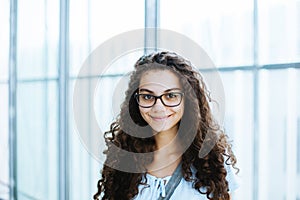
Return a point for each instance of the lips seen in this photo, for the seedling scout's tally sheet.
(160, 118)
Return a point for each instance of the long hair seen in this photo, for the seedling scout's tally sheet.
(131, 133)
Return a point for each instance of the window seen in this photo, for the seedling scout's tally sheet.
(255, 45)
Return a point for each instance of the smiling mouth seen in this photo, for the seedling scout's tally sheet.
(161, 118)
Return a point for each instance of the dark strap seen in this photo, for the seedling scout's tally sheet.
(172, 183)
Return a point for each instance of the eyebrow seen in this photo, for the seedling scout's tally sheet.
(168, 90)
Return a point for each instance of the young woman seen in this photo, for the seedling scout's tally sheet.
(154, 147)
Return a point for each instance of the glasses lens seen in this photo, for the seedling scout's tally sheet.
(169, 99)
(145, 100)
(172, 98)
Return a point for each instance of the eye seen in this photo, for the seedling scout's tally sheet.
(171, 95)
(146, 96)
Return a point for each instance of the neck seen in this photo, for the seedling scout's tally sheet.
(164, 138)
(168, 155)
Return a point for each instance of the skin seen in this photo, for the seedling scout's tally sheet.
(163, 120)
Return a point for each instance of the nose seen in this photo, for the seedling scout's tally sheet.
(158, 106)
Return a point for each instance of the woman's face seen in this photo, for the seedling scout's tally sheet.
(161, 117)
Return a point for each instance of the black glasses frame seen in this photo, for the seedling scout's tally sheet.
(136, 96)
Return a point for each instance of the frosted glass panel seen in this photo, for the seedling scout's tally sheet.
(279, 31)
(38, 31)
(4, 145)
(108, 96)
(225, 31)
(81, 158)
(37, 140)
(279, 133)
(222, 28)
(4, 39)
(238, 87)
(93, 22)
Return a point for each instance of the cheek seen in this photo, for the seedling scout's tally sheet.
(179, 111)
(144, 112)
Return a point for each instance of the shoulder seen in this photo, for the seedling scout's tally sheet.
(151, 189)
(186, 190)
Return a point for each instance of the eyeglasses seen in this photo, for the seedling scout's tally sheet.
(170, 99)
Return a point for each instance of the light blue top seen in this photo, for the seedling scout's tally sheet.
(156, 186)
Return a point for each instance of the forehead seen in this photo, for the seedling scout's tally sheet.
(159, 80)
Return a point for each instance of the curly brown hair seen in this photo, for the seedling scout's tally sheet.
(131, 133)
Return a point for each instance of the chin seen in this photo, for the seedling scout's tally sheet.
(159, 129)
